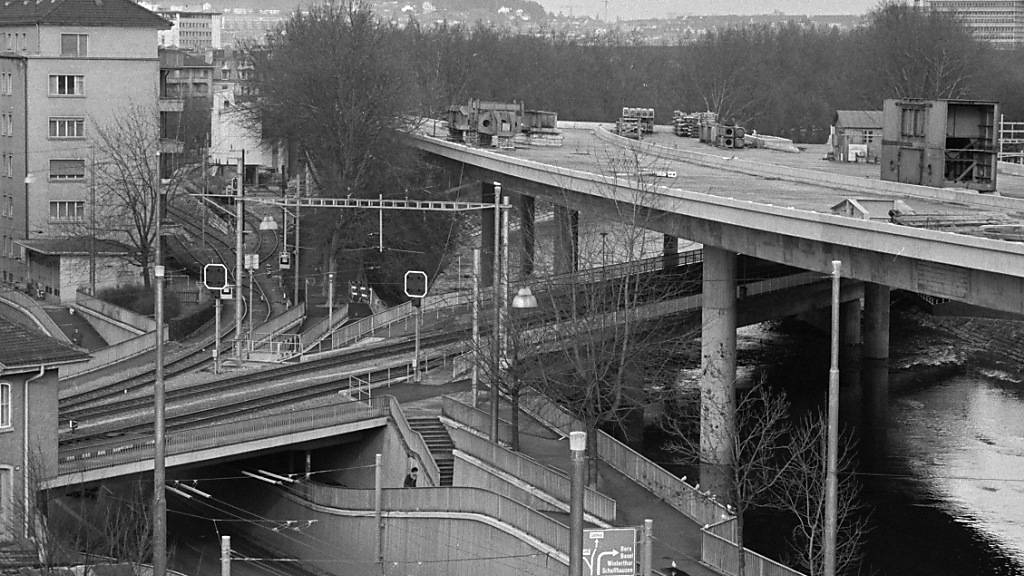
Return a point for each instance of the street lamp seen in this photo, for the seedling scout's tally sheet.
(524, 300)
(577, 447)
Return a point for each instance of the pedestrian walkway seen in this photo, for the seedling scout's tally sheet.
(677, 539)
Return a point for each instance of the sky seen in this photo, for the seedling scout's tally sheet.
(631, 9)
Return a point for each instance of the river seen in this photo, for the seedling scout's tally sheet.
(944, 474)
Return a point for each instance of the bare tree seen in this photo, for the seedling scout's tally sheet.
(335, 83)
(127, 184)
(800, 493)
(759, 453)
(609, 343)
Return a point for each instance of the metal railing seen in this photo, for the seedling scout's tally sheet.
(256, 427)
(446, 304)
(718, 536)
(550, 481)
(449, 501)
(417, 445)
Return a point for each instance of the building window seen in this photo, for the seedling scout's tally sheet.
(74, 45)
(67, 169)
(67, 85)
(67, 211)
(67, 127)
(9, 165)
(7, 83)
(8, 206)
(5, 405)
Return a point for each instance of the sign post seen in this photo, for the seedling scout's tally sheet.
(416, 288)
(215, 278)
(610, 552)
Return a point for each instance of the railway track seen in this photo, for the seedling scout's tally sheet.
(246, 395)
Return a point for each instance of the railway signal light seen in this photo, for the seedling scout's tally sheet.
(415, 284)
(215, 276)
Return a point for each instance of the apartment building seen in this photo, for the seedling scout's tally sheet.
(998, 22)
(29, 364)
(198, 31)
(66, 68)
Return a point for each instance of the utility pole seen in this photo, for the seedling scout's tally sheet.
(159, 443)
(239, 248)
(476, 324)
(496, 332)
(831, 482)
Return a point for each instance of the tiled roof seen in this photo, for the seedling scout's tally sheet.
(21, 347)
(115, 13)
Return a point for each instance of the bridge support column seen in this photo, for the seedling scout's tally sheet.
(670, 252)
(527, 217)
(718, 370)
(567, 240)
(875, 369)
(487, 235)
(849, 323)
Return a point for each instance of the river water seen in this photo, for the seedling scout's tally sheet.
(943, 472)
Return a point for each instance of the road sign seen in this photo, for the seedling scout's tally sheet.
(215, 276)
(251, 261)
(415, 284)
(610, 552)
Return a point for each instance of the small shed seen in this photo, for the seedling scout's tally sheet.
(857, 135)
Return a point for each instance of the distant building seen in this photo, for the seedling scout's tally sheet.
(856, 135)
(29, 363)
(230, 132)
(191, 30)
(998, 22)
(66, 68)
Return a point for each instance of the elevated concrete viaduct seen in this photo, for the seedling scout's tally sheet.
(972, 269)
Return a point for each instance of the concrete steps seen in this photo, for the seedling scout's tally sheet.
(14, 557)
(439, 442)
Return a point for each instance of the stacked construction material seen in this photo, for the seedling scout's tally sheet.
(643, 116)
(628, 127)
(685, 125)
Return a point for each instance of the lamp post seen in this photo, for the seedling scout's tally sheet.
(831, 481)
(577, 447)
(524, 300)
(239, 247)
(500, 304)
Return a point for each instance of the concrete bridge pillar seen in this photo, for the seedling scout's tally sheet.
(875, 371)
(849, 323)
(527, 228)
(670, 252)
(718, 370)
(567, 240)
(487, 235)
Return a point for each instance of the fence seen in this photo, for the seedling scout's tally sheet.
(718, 537)
(552, 482)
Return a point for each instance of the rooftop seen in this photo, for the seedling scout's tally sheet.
(110, 13)
(74, 247)
(22, 347)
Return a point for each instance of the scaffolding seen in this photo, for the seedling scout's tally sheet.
(1011, 141)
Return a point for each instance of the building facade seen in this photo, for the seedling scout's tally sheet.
(67, 68)
(29, 363)
(998, 22)
(197, 31)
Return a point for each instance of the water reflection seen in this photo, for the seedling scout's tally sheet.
(964, 438)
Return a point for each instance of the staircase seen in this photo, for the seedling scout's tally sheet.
(439, 443)
(13, 558)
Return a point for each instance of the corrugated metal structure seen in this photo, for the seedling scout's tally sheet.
(940, 143)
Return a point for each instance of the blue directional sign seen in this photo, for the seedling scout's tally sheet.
(610, 552)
